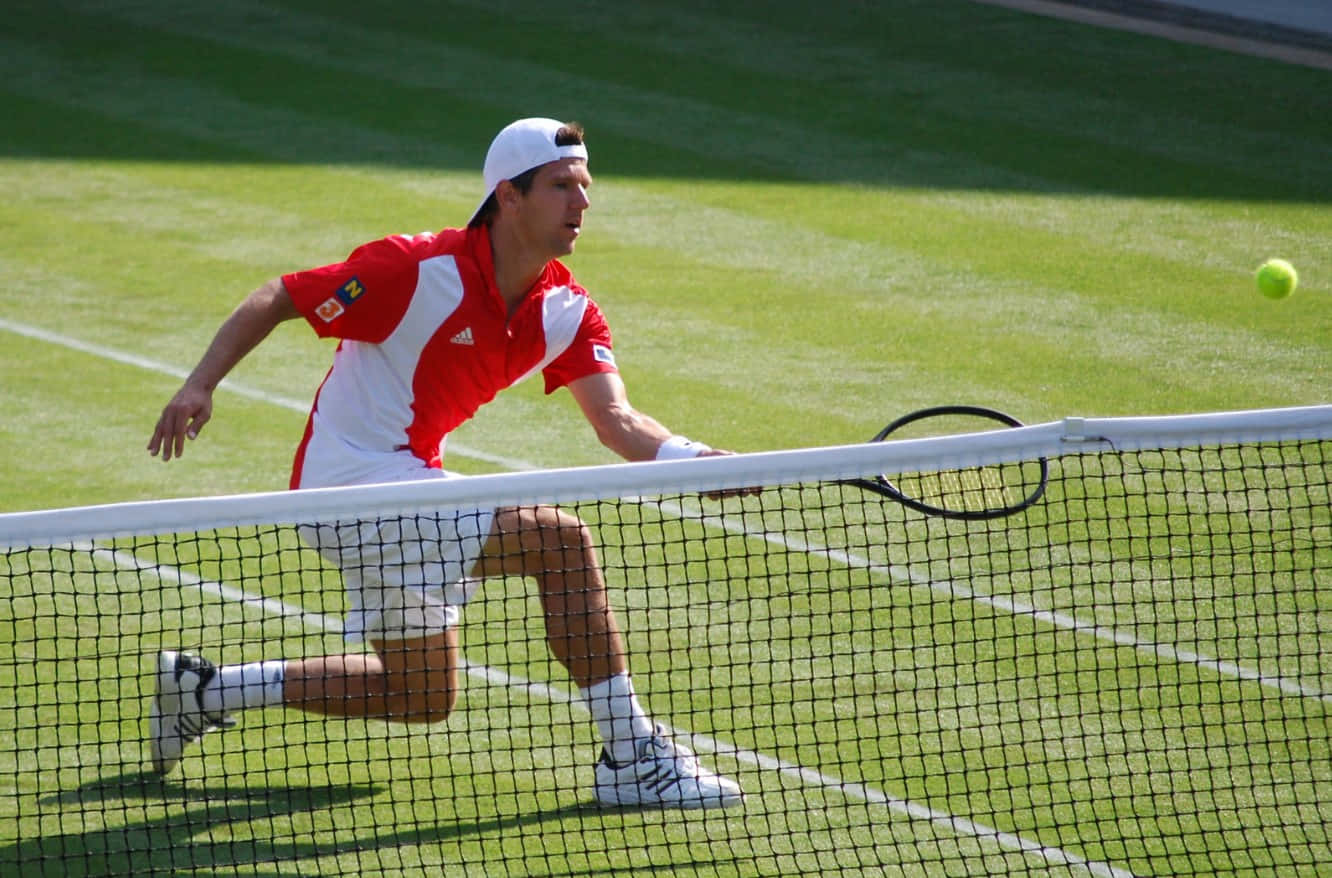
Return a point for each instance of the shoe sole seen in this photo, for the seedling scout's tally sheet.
(610, 797)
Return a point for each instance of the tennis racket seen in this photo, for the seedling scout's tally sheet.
(970, 494)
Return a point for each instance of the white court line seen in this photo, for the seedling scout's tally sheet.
(961, 826)
(286, 402)
(898, 574)
(176, 576)
(894, 573)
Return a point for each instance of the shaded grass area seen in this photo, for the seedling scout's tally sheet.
(919, 91)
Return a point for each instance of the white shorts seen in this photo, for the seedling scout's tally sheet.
(406, 577)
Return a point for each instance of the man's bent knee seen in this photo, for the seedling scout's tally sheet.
(535, 540)
(431, 706)
(420, 677)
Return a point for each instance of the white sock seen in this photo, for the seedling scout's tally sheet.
(235, 687)
(619, 717)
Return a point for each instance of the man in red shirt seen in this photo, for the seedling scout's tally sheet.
(430, 328)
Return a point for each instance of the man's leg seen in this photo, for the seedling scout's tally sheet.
(640, 765)
(555, 548)
(416, 679)
(413, 674)
(413, 680)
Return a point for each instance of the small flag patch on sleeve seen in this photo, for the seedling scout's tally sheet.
(329, 310)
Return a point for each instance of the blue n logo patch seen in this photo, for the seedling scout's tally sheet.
(352, 290)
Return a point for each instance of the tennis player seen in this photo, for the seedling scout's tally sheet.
(431, 327)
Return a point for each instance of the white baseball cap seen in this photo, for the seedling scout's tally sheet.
(520, 147)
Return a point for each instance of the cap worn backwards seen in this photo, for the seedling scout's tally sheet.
(522, 146)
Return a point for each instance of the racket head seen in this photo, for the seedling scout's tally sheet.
(969, 494)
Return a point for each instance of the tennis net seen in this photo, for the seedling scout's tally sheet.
(1131, 677)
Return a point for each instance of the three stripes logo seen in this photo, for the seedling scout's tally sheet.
(464, 337)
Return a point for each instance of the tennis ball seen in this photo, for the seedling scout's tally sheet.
(1277, 279)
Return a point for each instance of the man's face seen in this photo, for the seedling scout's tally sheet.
(550, 216)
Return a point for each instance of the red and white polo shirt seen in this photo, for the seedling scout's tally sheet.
(425, 342)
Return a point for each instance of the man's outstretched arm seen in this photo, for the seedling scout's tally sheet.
(192, 406)
(623, 429)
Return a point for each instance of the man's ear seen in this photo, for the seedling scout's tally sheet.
(507, 194)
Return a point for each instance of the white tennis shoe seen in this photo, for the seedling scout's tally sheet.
(177, 717)
(665, 775)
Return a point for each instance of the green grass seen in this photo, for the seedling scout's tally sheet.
(803, 225)
(1107, 742)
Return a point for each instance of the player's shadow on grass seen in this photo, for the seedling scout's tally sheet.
(470, 831)
(150, 787)
(218, 826)
(197, 830)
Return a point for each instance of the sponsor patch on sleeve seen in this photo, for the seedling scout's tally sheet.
(602, 354)
(351, 291)
(330, 310)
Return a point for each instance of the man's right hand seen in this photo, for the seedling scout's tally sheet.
(192, 405)
(182, 418)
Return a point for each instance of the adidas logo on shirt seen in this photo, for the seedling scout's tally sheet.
(464, 337)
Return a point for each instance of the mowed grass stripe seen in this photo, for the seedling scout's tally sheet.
(741, 242)
(1158, 323)
(414, 64)
(897, 71)
(253, 136)
(952, 115)
(1211, 235)
(444, 76)
(892, 268)
(201, 230)
(891, 574)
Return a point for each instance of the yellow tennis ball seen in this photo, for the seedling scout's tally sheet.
(1277, 279)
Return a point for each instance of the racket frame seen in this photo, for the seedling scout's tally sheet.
(884, 487)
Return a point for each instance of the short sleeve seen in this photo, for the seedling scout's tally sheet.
(590, 353)
(362, 298)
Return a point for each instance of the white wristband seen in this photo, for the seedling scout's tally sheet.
(680, 448)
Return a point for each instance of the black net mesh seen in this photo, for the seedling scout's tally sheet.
(1131, 677)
